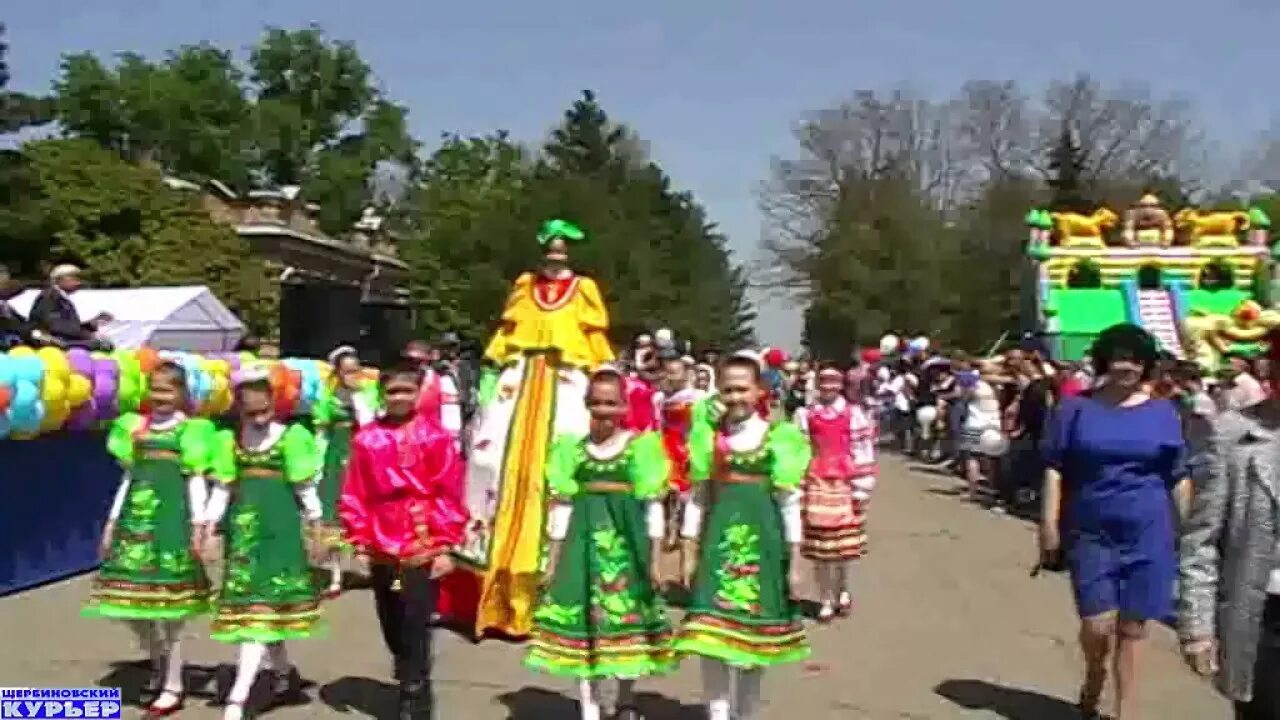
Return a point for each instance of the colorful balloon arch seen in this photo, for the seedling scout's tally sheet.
(48, 389)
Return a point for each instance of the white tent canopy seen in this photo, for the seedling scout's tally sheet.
(186, 318)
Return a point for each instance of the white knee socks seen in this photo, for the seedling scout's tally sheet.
(731, 693)
(335, 571)
(844, 581)
(717, 684)
(170, 634)
(252, 655)
(162, 641)
(589, 699)
(826, 582)
(747, 694)
(592, 701)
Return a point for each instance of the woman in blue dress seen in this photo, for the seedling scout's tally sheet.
(1115, 458)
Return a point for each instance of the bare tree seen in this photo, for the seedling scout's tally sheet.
(867, 138)
(998, 129)
(898, 209)
(1123, 133)
(1260, 165)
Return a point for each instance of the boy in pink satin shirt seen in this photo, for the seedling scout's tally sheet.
(402, 508)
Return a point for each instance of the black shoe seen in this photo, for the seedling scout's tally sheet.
(1089, 711)
(286, 689)
(628, 712)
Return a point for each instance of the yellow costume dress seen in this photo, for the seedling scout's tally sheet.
(553, 330)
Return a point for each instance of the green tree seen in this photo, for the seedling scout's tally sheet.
(321, 123)
(17, 186)
(463, 233)
(127, 229)
(587, 142)
(187, 113)
(994, 272)
(306, 113)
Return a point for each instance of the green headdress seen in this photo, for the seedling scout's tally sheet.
(562, 229)
(1039, 218)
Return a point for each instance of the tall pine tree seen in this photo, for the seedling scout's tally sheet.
(657, 256)
(1068, 184)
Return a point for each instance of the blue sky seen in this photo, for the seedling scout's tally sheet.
(713, 85)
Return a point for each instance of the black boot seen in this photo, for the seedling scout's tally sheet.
(415, 702)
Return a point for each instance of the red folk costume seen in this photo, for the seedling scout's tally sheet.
(403, 493)
(640, 410)
(438, 402)
(675, 418)
(430, 399)
(841, 476)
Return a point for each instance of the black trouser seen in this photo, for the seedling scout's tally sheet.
(1021, 468)
(1266, 669)
(405, 617)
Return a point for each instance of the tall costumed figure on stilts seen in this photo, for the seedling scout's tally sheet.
(553, 331)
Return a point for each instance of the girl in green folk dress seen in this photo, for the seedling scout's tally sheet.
(742, 530)
(601, 615)
(265, 471)
(150, 574)
(337, 416)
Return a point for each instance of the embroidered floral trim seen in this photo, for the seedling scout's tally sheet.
(611, 603)
(738, 577)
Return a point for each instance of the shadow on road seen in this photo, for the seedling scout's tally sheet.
(373, 698)
(530, 703)
(1007, 702)
(132, 677)
(937, 470)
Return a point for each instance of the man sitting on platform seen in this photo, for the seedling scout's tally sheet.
(55, 314)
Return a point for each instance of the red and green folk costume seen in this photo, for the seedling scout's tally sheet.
(267, 591)
(600, 616)
(151, 571)
(741, 612)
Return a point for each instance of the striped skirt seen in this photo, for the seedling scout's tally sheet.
(833, 521)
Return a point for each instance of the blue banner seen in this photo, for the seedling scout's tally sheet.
(59, 703)
(55, 491)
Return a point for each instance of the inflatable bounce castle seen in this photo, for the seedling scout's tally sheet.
(1199, 281)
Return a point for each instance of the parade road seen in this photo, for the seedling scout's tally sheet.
(947, 624)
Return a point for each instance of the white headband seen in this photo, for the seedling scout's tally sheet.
(339, 352)
(62, 271)
(253, 374)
